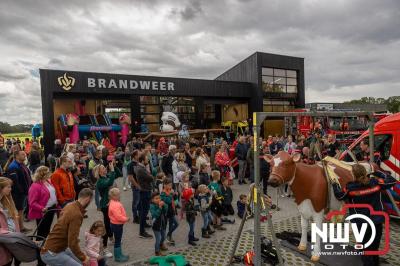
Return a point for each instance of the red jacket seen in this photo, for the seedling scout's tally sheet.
(222, 159)
(63, 182)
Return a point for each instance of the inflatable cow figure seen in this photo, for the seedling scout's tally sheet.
(169, 122)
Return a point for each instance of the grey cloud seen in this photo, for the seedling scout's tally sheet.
(348, 46)
(192, 10)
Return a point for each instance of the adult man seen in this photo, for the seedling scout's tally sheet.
(167, 162)
(4, 155)
(134, 185)
(132, 145)
(275, 146)
(241, 155)
(147, 150)
(21, 177)
(315, 145)
(95, 160)
(63, 181)
(62, 244)
(364, 154)
(188, 155)
(332, 146)
(250, 160)
(35, 157)
(145, 180)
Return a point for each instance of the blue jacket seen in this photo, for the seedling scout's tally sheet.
(357, 193)
(241, 151)
(21, 177)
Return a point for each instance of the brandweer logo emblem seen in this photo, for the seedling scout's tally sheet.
(66, 82)
(340, 232)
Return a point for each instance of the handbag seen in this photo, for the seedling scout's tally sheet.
(231, 173)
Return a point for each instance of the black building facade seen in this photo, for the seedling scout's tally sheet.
(262, 82)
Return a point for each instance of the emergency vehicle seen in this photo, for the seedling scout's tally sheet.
(346, 129)
(386, 149)
(386, 144)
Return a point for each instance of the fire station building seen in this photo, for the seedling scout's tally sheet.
(261, 82)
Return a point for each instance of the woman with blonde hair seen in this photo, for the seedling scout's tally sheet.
(42, 198)
(8, 217)
(105, 181)
(202, 158)
(179, 165)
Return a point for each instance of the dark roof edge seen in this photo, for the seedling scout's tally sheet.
(253, 54)
(144, 76)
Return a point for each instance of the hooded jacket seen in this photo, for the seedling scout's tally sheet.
(92, 245)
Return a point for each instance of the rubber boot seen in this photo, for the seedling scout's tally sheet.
(118, 256)
(204, 233)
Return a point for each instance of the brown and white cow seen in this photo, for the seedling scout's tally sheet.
(309, 186)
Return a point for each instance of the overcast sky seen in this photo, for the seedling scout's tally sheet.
(351, 48)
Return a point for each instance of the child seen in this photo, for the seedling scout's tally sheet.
(158, 210)
(118, 218)
(204, 202)
(159, 182)
(94, 245)
(241, 205)
(187, 195)
(183, 184)
(204, 177)
(167, 196)
(216, 203)
(227, 208)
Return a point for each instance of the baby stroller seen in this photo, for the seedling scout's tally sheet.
(23, 247)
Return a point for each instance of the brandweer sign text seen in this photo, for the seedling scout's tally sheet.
(130, 84)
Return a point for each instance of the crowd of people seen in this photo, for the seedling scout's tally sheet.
(170, 179)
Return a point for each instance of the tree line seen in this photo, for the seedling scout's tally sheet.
(392, 103)
(6, 128)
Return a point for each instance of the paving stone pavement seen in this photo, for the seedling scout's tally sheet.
(215, 250)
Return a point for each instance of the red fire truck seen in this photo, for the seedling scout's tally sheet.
(346, 129)
(387, 147)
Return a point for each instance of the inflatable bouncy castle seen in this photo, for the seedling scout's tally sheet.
(98, 127)
(125, 122)
(36, 131)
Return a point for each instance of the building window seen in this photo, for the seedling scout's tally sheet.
(277, 106)
(152, 107)
(279, 80)
(209, 111)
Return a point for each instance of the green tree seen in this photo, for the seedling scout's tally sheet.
(392, 103)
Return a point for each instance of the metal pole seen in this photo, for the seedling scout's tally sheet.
(256, 193)
(371, 140)
(239, 232)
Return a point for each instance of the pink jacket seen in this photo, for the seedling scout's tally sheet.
(38, 196)
(5, 256)
(92, 245)
(116, 212)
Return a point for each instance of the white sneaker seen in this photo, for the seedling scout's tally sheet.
(124, 188)
(107, 253)
(129, 186)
